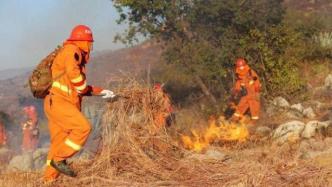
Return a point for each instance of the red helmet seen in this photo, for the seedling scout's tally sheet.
(241, 62)
(81, 33)
(157, 86)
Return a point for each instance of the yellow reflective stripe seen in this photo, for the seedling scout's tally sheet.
(63, 88)
(254, 117)
(251, 82)
(72, 145)
(237, 114)
(80, 88)
(77, 79)
(48, 162)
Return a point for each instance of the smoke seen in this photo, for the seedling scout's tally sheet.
(30, 29)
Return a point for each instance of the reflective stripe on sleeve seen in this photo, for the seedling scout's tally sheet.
(72, 145)
(77, 79)
(48, 162)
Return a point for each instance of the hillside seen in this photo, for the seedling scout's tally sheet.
(310, 5)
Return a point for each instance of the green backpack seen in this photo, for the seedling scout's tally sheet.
(41, 79)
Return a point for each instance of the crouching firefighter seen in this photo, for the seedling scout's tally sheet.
(69, 128)
(248, 87)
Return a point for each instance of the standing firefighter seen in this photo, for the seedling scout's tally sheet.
(247, 87)
(30, 129)
(3, 135)
(166, 117)
(69, 129)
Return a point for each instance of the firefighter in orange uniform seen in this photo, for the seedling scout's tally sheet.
(3, 135)
(30, 129)
(166, 117)
(248, 87)
(69, 128)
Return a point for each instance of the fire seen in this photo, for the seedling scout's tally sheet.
(218, 130)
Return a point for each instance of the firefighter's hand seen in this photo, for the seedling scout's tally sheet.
(107, 94)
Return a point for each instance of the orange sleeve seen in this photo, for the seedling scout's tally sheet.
(74, 70)
(257, 83)
(237, 87)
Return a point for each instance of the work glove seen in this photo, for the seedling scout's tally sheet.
(107, 94)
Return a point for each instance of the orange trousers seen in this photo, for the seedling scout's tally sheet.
(253, 104)
(69, 130)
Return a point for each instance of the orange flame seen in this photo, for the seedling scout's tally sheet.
(218, 130)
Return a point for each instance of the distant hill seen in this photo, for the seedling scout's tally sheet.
(10, 73)
(322, 6)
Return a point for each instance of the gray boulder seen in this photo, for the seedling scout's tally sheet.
(210, 154)
(298, 107)
(290, 131)
(280, 102)
(310, 129)
(22, 162)
(263, 131)
(309, 113)
(328, 82)
(39, 158)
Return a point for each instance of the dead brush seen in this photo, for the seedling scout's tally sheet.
(133, 145)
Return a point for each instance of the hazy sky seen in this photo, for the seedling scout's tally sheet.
(30, 29)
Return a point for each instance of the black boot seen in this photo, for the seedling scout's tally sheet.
(62, 167)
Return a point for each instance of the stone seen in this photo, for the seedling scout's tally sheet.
(5, 156)
(263, 131)
(280, 102)
(290, 131)
(328, 82)
(310, 129)
(298, 107)
(271, 110)
(328, 131)
(39, 158)
(309, 113)
(22, 162)
(210, 154)
(294, 114)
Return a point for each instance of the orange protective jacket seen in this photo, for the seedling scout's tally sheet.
(69, 72)
(3, 136)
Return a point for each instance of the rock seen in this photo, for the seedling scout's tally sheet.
(290, 131)
(210, 154)
(263, 131)
(328, 131)
(22, 162)
(328, 82)
(298, 107)
(281, 102)
(271, 110)
(310, 129)
(309, 113)
(39, 158)
(294, 114)
(5, 155)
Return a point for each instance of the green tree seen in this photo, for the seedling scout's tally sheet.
(204, 37)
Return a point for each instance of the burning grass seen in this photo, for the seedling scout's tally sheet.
(218, 130)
